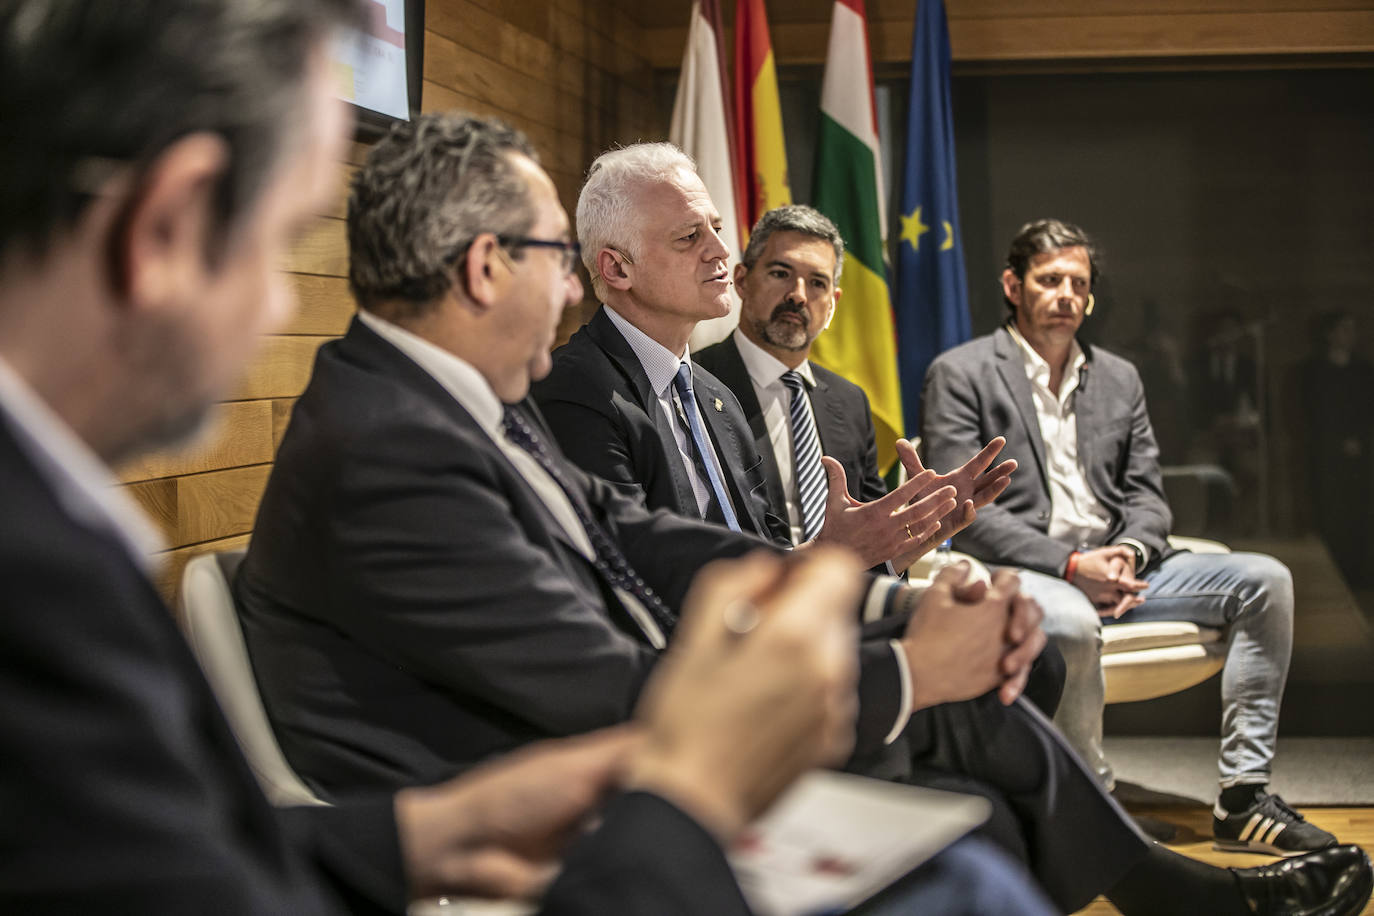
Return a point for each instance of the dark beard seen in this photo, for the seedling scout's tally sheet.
(785, 335)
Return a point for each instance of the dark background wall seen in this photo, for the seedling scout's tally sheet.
(1248, 191)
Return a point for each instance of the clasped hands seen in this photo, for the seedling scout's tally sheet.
(917, 516)
(1107, 576)
(968, 636)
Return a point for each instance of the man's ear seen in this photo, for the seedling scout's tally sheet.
(160, 241)
(740, 273)
(612, 269)
(1011, 285)
(834, 301)
(487, 270)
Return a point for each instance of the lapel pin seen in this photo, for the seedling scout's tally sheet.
(720, 405)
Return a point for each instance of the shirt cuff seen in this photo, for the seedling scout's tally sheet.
(1144, 551)
(904, 709)
(881, 596)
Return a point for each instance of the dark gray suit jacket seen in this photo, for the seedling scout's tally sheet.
(979, 390)
(843, 420)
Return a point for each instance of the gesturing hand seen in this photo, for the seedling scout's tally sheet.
(888, 527)
(975, 486)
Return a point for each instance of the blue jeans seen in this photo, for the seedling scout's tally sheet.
(1248, 596)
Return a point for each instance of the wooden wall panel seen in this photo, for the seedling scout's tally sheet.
(240, 434)
(281, 369)
(324, 305)
(1060, 30)
(322, 249)
(573, 75)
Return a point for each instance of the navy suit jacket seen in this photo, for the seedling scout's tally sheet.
(843, 421)
(598, 402)
(979, 390)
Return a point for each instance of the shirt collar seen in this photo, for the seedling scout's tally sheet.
(764, 368)
(1037, 367)
(660, 364)
(81, 482)
(458, 376)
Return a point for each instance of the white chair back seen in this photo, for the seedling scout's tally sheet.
(216, 638)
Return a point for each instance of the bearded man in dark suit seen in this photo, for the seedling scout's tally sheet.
(798, 411)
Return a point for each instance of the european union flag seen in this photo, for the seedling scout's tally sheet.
(931, 303)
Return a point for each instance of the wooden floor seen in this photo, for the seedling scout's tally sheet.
(1350, 825)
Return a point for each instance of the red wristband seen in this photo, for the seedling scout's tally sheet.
(1071, 567)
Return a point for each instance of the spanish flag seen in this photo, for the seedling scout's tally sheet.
(762, 164)
(861, 343)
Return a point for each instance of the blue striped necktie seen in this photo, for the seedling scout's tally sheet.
(806, 457)
(701, 445)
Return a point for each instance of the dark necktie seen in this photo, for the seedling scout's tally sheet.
(812, 488)
(610, 561)
(701, 445)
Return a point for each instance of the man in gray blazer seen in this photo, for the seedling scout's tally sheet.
(1087, 514)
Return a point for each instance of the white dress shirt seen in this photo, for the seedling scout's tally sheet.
(471, 390)
(81, 481)
(1077, 516)
(765, 374)
(661, 366)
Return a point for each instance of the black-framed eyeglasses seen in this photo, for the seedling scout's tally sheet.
(571, 251)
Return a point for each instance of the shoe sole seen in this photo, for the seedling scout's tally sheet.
(1265, 848)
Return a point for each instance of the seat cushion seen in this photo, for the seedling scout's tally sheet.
(1154, 634)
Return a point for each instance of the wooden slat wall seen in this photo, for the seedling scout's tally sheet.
(571, 73)
(1057, 30)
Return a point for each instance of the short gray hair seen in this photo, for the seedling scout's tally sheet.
(606, 212)
(793, 218)
(426, 192)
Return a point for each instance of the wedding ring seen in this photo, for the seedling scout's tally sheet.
(908, 531)
(740, 617)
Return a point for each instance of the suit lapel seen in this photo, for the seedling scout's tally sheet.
(830, 419)
(604, 334)
(1013, 373)
(736, 377)
(1086, 411)
(729, 449)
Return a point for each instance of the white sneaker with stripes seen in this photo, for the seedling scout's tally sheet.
(1269, 826)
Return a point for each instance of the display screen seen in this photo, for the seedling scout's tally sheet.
(371, 69)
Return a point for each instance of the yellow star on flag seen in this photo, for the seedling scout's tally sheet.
(913, 229)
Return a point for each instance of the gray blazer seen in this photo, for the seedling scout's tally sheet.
(979, 390)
